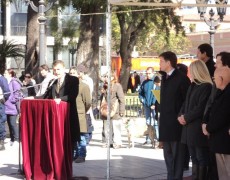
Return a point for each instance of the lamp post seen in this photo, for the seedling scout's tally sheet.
(211, 22)
(41, 9)
(72, 50)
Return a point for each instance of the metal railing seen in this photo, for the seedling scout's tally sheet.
(133, 106)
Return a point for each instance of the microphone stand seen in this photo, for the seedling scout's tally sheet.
(20, 170)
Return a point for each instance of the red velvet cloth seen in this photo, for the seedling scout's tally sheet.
(46, 141)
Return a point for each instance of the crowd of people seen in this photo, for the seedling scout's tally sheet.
(189, 120)
(193, 117)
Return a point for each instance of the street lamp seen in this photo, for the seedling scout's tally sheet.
(41, 9)
(211, 22)
(72, 50)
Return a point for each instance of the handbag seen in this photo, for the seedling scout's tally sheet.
(104, 108)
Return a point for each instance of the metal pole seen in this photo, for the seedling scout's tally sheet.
(41, 9)
(42, 22)
(73, 57)
(108, 63)
(212, 23)
(212, 33)
(212, 29)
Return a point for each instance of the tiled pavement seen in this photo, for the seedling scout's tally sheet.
(140, 162)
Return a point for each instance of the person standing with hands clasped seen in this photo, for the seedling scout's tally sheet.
(174, 86)
(191, 115)
(217, 127)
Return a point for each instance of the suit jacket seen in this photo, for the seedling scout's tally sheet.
(68, 92)
(219, 122)
(193, 110)
(173, 94)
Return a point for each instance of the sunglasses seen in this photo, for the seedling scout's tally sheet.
(28, 76)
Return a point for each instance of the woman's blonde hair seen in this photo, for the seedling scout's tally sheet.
(199, 72)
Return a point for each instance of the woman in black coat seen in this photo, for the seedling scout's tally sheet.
(191, 117)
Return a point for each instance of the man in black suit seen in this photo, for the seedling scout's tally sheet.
(173, 93)
(65, 88)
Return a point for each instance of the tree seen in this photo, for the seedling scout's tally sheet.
(9, 49)
(67, 27)
(134, 23)
(177, 43)
(32, 40)
(88, 44)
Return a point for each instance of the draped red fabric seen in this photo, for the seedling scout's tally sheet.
(46, 141)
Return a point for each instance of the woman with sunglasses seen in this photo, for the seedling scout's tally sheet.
(30, 91)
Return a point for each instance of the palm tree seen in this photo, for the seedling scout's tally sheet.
(9, 49)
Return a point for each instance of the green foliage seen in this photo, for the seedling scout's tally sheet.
(116, 34)
(90, 5)
(9, 49)
(150, 30)
(177, 43)
(70, 27)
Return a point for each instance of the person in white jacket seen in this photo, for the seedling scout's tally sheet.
(45, 72)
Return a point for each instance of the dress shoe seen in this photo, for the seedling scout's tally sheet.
(80, 160)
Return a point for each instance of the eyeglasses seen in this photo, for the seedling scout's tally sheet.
(28, 76)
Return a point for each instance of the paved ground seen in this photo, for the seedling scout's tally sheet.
(140, 162)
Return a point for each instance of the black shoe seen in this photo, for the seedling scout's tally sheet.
(80, 160)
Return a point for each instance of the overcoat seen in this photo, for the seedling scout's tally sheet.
(83, 105)
(219, 123)
(68, 92)
(193, 110)
(172, 96)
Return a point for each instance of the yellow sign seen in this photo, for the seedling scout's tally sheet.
(156, 93)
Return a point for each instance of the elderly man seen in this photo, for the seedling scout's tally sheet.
(218, 124)
(222, 60)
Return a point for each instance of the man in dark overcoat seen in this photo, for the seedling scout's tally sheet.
(173, 93)
(65, 88)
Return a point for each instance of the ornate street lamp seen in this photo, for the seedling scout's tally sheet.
(41, 9)
(211, 22)
(72, 46)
